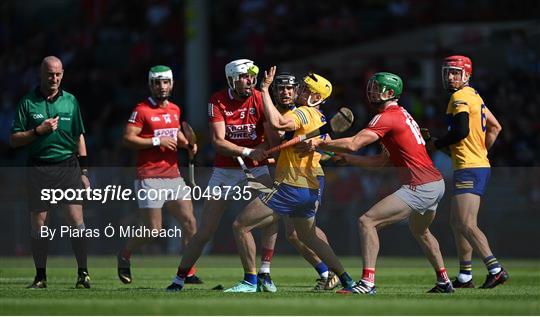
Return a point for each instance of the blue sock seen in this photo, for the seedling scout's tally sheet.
(321, 268)
(251, 278)
(492, 264)
(465, 267)
(345, 280)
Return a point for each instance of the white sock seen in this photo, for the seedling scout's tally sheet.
(324, 275)
(265, 267)
(464, 278)
(370, 284)
(495, 270)
(178, 281)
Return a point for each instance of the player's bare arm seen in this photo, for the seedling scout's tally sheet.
(367, 162)
(272, 137)
(133, 141)
(493, 128)
(350, 144)
(276, 120)
(26, 137)
(228, 148)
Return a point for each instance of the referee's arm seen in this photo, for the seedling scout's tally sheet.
(82, 146)
(23, 138)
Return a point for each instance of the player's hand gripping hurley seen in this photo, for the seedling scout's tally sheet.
(251, 180)
(340, 122)
(192, 139)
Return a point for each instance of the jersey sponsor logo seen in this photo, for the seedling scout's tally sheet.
(252, 111)
(167, 118)
(242, 131)
(155, 119)
(65, 118)
(38, 116)
(229, 113)
(171, 132)
(133, 117)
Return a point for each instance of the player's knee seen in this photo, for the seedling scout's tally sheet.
(419, 233)
(292, 237)
(154, 225)
(469, 230)
(364, 222)
(238, 227)
(189, 226)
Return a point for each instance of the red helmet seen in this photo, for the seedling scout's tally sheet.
(456, 62)
(459, 61)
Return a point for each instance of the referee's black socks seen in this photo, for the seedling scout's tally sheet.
(40, 248)
(80, 249)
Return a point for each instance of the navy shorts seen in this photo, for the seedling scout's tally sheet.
(295, 201)
(471, 180)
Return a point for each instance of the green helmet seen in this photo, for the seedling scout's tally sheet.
(382, 82)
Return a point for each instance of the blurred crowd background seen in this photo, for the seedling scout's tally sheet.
(107, 47)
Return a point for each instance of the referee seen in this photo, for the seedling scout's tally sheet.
(49, 122)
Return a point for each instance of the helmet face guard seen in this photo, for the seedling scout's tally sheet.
(452, 65)
(379, 86)
(241, 67)
(314, 84)
(284, 82)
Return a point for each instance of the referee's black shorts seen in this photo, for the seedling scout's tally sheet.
(46, 175)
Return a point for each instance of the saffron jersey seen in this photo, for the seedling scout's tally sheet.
(291, 168)
(156, 121)
(471, 151)
(400, 135)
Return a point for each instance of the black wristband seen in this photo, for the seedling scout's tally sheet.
(83, 162)
(35, 131)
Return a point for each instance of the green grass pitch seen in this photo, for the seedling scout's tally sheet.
(401, 282)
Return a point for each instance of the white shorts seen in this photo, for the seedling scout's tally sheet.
(154, 192)
(422, 198)
(234, 178)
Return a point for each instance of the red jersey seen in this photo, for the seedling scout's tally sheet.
(401, 136)
(243, 122)
(155, 121)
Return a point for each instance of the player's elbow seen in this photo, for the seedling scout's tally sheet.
(495, 129)
(461, 134)
(128, 142)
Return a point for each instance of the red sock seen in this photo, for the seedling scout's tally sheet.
(192, 271)
(126, 254)
(267, 255)
(442, 276)
(182, 273)
(368, 275)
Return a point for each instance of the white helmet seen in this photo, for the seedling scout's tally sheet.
(160, 72)
(234, 69)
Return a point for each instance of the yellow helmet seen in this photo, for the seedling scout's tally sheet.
(318, 84)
